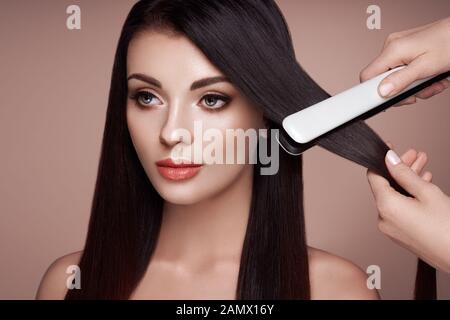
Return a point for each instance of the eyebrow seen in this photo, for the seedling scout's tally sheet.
(208, 81)
(195, 85)
(145, 78)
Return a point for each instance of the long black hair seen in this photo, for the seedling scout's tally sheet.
(249, 41)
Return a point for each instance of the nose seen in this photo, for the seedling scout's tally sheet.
(175, 128)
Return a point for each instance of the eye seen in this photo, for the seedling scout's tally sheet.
(214, 101)
(145, 98)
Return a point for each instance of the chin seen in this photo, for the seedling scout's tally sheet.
(181, 193)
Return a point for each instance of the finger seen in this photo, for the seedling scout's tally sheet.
(404, 175)
(381, 188)
(419, 163)
(409, 157)
(378, 184)
(433, 90)
(407, 101)
(426, 93)
(427, 176)
(399, 80)
(387, 199)
(393, 55)
(430, 91)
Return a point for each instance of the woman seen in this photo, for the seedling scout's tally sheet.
(206, 231)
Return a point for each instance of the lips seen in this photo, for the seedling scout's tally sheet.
(177, 171)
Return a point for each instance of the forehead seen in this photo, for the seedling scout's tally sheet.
(168, 56)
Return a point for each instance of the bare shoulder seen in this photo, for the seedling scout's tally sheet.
(333, 277)
(53, 283)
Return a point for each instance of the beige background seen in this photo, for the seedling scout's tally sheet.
(54, 87)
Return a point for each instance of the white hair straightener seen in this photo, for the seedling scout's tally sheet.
(303, 129)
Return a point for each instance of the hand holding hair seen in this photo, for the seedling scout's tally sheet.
(426, 52)
(420, 223)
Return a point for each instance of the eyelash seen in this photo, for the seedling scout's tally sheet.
(138, 95)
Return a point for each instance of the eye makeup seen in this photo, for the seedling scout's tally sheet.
(209, 101)
(143, 98)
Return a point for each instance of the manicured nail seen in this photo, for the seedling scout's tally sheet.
(392, 157)
(386, 88)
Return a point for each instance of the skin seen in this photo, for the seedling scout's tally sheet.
(421, 224)
(204, 218)
(425, 50)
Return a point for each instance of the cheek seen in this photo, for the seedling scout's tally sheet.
(144, 132)
(237, 127)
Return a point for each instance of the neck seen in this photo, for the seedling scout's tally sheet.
(211, 229)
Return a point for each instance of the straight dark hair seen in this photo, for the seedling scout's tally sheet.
(249, 41)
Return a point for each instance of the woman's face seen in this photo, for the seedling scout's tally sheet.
(168, 90)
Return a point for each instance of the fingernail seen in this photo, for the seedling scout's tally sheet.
(386, 88)
(392, 157)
